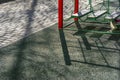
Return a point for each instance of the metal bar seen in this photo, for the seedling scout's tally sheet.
(61, 33)
(76, 8)
(60, 14)
(108, 9)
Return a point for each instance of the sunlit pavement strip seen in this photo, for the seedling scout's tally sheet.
(18, 17)
(21, 16)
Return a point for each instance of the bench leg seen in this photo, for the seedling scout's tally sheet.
(113, 25)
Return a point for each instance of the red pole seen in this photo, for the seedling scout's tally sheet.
(76, 8)
(60, 14)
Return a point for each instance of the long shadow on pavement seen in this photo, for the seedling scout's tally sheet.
(15, 71)
(102, 50)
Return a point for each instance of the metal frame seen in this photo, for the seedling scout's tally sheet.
(60, 12)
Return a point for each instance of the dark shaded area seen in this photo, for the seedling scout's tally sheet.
(79, 32)
(93, 64)
(99, 49)
(64, 48)
(84, 38)
(97, 45)
(82, 50)
(102, 50)
(37, 58)
(114, 37)
(4, 1)
(40, 57)
(38, 69)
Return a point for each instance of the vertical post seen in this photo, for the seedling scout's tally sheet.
(60, 14)
(61, 33)
(108, 9)
(119, 3)
(76, 8)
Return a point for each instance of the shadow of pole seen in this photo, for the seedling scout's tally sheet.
(84, 38)
(64, 47)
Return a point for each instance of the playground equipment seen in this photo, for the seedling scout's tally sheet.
(91, 16)
(98, 13)
(94, 16)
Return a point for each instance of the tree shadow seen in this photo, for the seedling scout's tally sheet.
(27, 46)
(15, 71)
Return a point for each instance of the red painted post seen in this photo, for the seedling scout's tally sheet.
(60, 14)
(61, 33)
(76, 8)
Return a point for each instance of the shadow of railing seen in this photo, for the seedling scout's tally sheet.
(84, 38)
(94, 64)
(100, 49)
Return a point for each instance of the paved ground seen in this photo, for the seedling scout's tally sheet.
(17, 16)
(40, 56)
